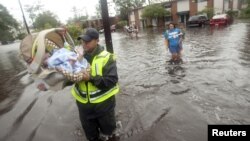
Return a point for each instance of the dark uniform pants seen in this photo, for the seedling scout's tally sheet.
(104, 123)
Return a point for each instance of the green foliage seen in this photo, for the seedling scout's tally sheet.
(7, 23)
(232, 13)
(124, 13)
(84, 25)
(245, 13)
(74, 31)
(33, 10)
(208, 11)
(77, 19)
(248, 2)
(154, 11)
(98, 10)
(46, 20)
(21, 36)
(157, 1)
(121, 24)
(125, 6)
(129, 3)
(81, 19)
(6, 36)
(47, 26)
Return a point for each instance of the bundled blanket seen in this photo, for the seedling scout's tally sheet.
(66, 60)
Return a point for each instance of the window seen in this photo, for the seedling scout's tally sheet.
(196, 1)
(201, 0)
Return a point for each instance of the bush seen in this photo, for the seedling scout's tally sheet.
(74, 31)
(232, 13)
(6, 37)
(121, 24)
(21, 36)
(208, 11)
(245, 13)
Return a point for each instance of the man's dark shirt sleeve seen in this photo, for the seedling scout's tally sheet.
(109, 77)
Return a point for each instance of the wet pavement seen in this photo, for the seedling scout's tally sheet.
(157, 102)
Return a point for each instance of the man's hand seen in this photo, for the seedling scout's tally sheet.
(166, 44)
(86, 76)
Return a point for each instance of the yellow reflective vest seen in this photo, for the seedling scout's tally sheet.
(86, 91)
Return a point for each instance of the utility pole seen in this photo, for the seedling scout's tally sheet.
(24, 20)
(223, 8)
(106, 25)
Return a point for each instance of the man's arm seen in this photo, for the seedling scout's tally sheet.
(109, 77)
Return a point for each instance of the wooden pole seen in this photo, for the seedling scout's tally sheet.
(106, 26)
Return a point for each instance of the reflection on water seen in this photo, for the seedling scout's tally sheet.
(216, 66)
(245, 49)
(10, 86)
(19, 120)
(176, 70)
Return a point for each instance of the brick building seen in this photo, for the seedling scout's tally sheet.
(97, 22)
(181, 10)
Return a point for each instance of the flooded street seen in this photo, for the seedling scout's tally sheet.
(157, 101)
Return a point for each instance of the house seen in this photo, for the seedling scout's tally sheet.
(181, 10)
(135, 17)
(97, 22)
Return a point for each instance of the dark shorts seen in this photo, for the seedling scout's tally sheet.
(174, 49)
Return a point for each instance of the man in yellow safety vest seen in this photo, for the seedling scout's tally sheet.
(95, 94)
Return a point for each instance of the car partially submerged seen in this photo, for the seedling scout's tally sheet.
(197, 20)
(221, 20)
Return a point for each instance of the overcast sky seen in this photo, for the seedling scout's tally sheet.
(62, 8)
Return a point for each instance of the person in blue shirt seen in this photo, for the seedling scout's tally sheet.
(173, 42)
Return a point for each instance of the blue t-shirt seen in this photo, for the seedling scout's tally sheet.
(173, 37)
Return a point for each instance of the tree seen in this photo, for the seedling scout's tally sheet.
(248, 2)
(208, 11)
(98, 10)
(74, 31)
(232, 13)
(33, 11)
(245, 13)
(137, 3)
(157, 1)
(46, 20)
(7, 23)
(125, 6)
(80, 19)
(154, 11)
(77, 18)
(75, 11)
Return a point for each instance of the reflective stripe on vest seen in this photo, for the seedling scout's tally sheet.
(86, 91)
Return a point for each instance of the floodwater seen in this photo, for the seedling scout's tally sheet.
(157, 102)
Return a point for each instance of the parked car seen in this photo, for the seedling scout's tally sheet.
(197, 20)
(101, 31)
(6, 42)
(222, 19)
(112, 28)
